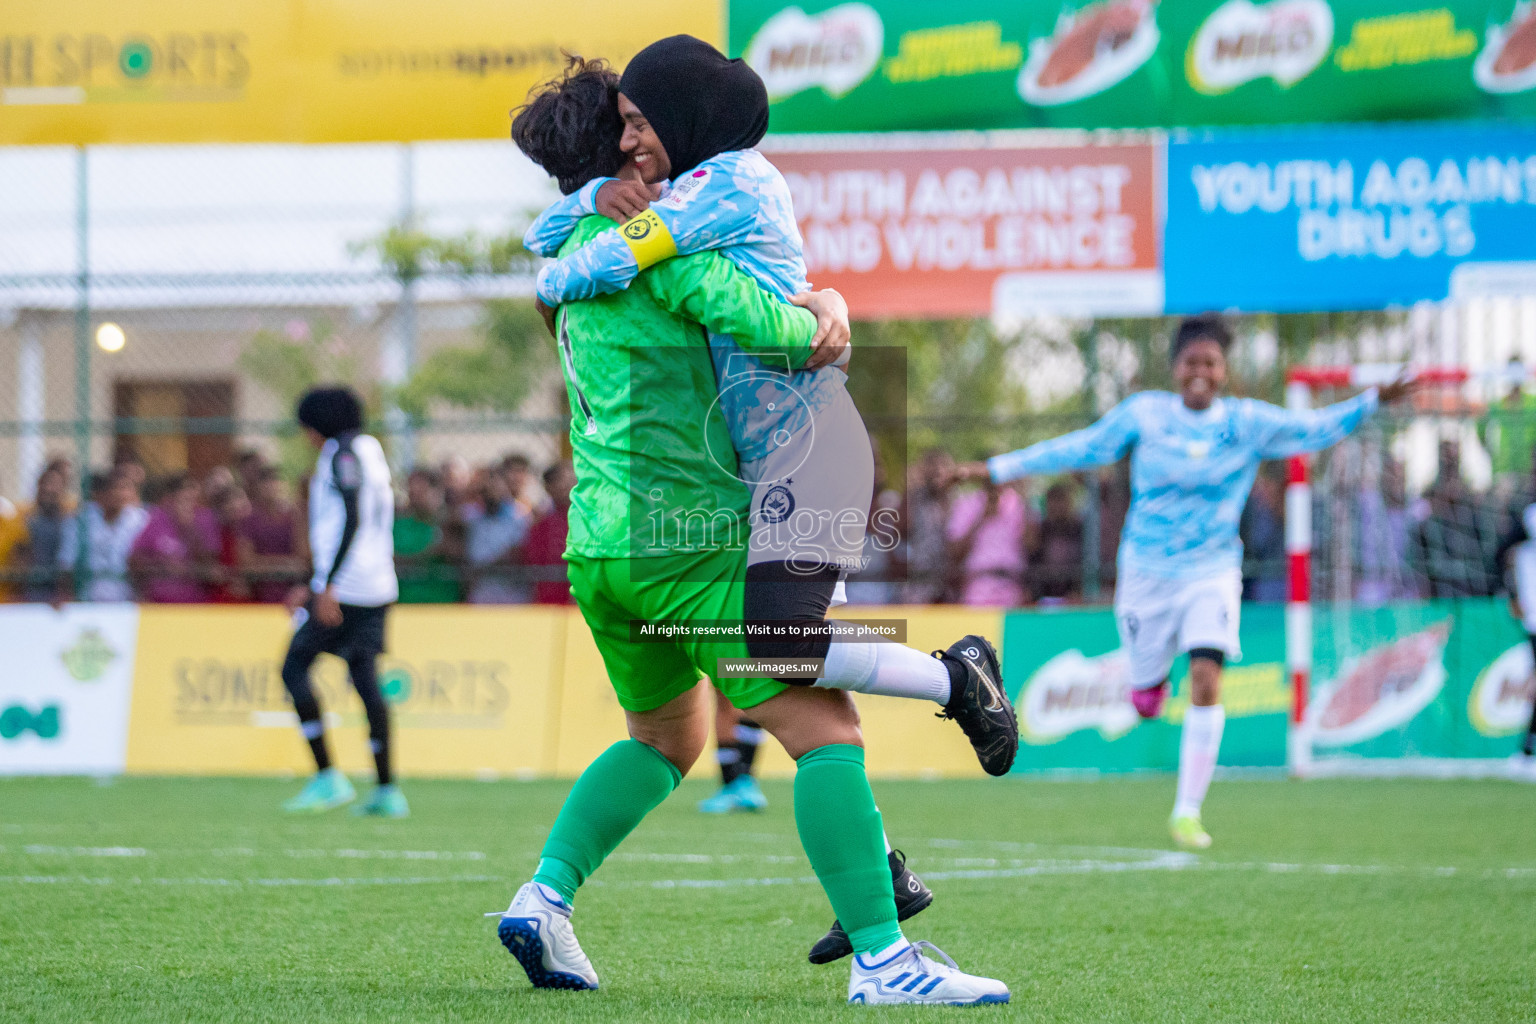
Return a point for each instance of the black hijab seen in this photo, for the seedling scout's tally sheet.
(699, 102)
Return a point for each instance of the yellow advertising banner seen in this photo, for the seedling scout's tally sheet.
(76, 72)
(470, 689)
(476, 692)
(901, 737)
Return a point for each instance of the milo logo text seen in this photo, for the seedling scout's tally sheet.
(1073, 692)
(1241, 41)
(836, 49)
(1500, 703)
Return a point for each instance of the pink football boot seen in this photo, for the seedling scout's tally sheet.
(1149, 702)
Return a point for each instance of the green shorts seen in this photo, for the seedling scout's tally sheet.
(614, 592)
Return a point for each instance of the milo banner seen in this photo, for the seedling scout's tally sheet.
(1449, 680)
(915, 64)
(1443, 679)
(1070, 682)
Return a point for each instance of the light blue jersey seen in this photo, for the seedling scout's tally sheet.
(1190, 471)
(735, 202)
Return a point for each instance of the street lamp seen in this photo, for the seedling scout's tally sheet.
(110, 337)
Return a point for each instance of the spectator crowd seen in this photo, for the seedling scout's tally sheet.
(487, 535)
(1372, 541)
(495, 534)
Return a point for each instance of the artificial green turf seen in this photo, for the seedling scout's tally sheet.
(1350, 901)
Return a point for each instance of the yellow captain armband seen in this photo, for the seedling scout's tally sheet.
(649, 239)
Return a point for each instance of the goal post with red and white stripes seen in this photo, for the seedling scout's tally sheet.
(1302, 385)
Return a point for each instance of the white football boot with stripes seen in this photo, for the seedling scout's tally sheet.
(911, 976)
(536, 929)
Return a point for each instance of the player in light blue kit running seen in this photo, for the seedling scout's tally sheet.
(1194, 456)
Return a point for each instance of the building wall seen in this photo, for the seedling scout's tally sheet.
(192, 344)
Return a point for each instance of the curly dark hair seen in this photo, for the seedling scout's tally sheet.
(1210, 326)
(330, 411)
(570, 125)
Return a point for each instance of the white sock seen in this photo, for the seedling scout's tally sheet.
(881, 956)
(887, 669)
(1199, 744)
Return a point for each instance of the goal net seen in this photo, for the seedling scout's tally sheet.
(1403, 655)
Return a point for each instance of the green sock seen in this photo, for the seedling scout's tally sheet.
(624, 784)
(840, 829)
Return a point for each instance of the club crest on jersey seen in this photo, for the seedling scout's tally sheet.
(778, 504)
(1132, 624)
(684, 191)
(349, 474)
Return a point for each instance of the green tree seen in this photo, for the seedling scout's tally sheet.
(409, 253)
(513, 353)
(925, 383)
(289, 364)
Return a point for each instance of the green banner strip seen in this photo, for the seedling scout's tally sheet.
(984, 64)
(1445, 679)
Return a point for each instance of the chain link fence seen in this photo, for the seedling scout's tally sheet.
(160, 312)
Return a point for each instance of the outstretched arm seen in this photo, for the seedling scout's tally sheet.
(1097, 445)
(708, 209)
(1518, 533)
(1284, 432)
(1511, 539)
(551, 228)
(711, 290)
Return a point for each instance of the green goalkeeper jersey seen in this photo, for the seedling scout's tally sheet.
(655, 470)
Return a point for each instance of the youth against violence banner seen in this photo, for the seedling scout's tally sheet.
(914, 64)
(89, 71)
(957, 232)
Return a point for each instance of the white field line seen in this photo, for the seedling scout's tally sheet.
(1167, 862)
(231, 883)
(44, 850)
(346, 854)
(705, 858)
(1047, 861)
(41, 850)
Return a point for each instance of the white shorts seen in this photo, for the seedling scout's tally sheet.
(1160, 618)
(811, 494)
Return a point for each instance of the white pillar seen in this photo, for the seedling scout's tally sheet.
(1298, 607)
(1449, 335)
(29, 404)
(1525, 340)
(397, 360)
